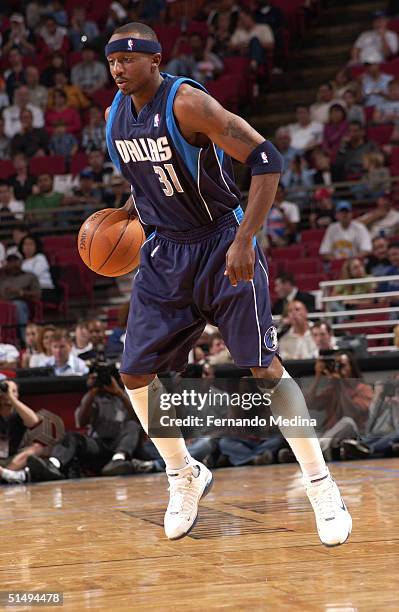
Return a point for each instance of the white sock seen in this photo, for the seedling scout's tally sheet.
(172, 450)
(118, 456)
(55, 462)
(307, 450)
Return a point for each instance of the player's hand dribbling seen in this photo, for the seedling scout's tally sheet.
(240, 261)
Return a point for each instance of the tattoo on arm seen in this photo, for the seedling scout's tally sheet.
(235, 131)
(207, 107)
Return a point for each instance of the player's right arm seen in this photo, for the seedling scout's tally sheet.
(129, 205)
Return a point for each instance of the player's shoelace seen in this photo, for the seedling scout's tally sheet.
(324, 500)
(183, 496)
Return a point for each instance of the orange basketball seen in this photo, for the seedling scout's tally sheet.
(109, 242)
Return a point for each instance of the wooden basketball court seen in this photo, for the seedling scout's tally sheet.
(100, 541)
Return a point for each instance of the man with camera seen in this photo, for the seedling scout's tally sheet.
(15, 419)
(111, 439)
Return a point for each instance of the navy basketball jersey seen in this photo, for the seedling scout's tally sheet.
(174, 184)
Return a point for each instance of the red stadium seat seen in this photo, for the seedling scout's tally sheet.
(8, 318)
(303, 266)
(381, 134)
(312, 235)
(167, 36)
(6, 169)
(58, 243)
(74, 57)
(199, 27)
(310, 282)
(78, 162)
(226, 89)
(48, 164)
(391, 67)
(287, 253)
(369, 112)
(103, 97)
(312, 248)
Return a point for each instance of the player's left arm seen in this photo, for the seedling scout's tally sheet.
(200, 114)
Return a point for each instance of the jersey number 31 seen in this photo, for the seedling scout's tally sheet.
(167, 176)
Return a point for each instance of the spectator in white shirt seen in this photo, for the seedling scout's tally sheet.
(35, 261)
(322, 334)
(383, 220)
(380, 40)
(282, 221)
(11, 115)
(89, 74)
(64, 363)
(305, 134)
(345, 238)
(297, 342)
(9, 355)
(319, 111)
(252, 39)
(42, 358)
(8, 205)
(374, 83)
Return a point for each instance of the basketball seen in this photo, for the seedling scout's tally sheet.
(109, 242)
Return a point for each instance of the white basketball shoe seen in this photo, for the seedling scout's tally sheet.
(186, 488)
(334, 523)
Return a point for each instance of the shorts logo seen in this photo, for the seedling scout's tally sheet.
(270, 339)
(130, 44)
(264, 158)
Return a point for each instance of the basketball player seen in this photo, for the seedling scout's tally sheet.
(173, 142)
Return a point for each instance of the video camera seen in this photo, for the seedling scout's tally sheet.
(103, 369)
(3, 387)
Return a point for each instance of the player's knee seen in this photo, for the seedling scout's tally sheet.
(135, 381)
(273, 372)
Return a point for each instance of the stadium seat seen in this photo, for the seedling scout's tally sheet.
(394, 161)
(56, 243)
(302, 266)
(310, 282)
(381, 134)
(74, 57)
(78, 162)
(287, 253)
(8, 318)
(167, 36)
(6, 169)
(312, 235)
(369, 112)
(48, 164)
(103, 97)
(226, 89)
(312, 248)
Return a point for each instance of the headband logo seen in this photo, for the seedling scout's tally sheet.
(130, 44)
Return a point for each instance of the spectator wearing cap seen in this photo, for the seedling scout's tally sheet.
(30, 140)
(345, 237)
(282, 221)
(93, 134)
(349, 161)
(61, 142)
(12, 114)
(118, 193)
(322, 214)
(374, 83)
(380, 40)
(287, 291)
(62, 112)
(18, 36)
(305, 133)
(383, 220)
(89, 74)
(334, 130)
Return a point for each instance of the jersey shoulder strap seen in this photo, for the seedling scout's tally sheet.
(108, 131)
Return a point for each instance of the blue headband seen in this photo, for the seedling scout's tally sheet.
(137, 45)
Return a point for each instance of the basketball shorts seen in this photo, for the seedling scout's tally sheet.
(180, 286)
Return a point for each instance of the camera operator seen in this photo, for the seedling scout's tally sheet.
(382, 431)
(111, 439)
(338, 390)
(15, 419)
